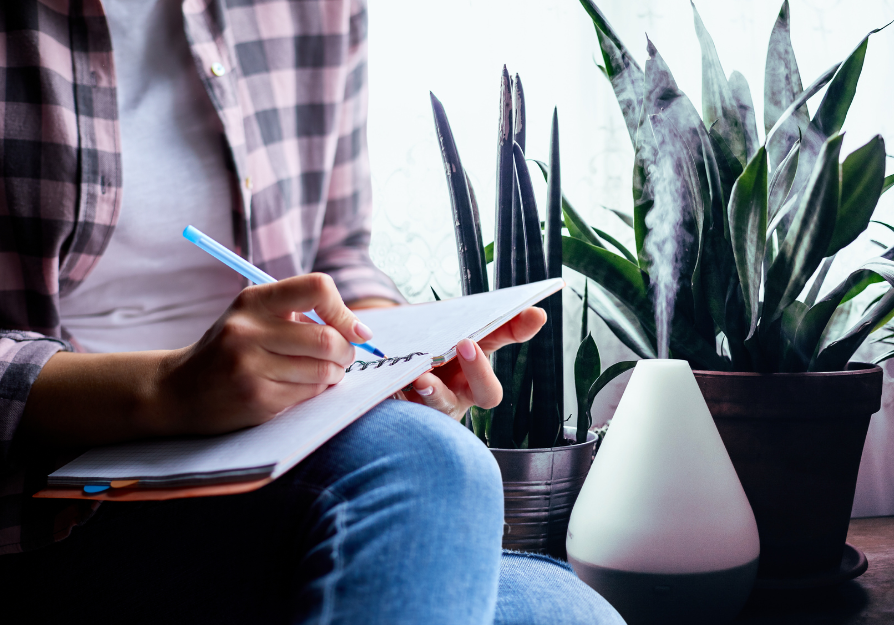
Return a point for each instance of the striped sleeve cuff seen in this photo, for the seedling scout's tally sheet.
(22, 356)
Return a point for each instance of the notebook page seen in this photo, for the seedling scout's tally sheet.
(250, 453)
(439, 326)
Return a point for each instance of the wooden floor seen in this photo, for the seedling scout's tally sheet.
(867, 600)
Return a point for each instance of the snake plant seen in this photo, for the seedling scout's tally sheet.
(761, 219)
(525, 249)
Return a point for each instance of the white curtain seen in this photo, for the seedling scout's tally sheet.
(456, 50)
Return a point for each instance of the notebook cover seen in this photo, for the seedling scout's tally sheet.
(152, 494)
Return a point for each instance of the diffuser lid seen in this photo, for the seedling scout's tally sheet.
(662, 495)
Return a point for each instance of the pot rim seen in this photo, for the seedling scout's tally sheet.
(591, 440)
(856, 369)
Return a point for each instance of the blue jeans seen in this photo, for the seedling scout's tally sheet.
(398, 519)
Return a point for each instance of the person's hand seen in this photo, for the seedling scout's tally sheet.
(258, 358)
(468, 379)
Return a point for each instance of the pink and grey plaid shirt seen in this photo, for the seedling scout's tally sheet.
(288, 81)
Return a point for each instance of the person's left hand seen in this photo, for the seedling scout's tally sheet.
(468, 379)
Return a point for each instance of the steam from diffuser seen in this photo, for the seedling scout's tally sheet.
(667, 239)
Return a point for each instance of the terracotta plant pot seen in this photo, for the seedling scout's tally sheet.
(795, 440)
(540, 487)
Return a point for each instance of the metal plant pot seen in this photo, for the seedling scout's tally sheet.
(795, 440)
(540, 487)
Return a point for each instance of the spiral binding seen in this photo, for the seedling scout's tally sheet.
(380, 363)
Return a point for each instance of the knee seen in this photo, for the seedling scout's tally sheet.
(537, 590)
(436, 456)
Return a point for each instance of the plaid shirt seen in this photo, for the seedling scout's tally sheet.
(288, 80)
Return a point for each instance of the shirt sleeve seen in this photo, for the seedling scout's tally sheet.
(22, 356)
(344, 242)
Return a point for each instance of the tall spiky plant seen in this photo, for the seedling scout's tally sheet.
(765, 217)
(531, 413)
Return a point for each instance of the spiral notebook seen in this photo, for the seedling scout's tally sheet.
(416, 338)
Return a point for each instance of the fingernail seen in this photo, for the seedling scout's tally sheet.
(466, 349)
(425, 392)
(362, 331)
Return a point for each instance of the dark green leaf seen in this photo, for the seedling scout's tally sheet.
(837, 100)
(517, 391)
(813, 293)
(781, 181)
(523, 416)
(607, 376)
(791, 319)
(435, 293)
(553, 250)
(874, 301)
(808, 237)
(832, 110)
(813, 325)
(584, 329)
(728, 166)
(586, 369)
(623, 323)
(627, 219)
(889, 182)
(576, 224)
(477, 220)
(627, 81)
(546, 422)
(748, 231)
(836, 355)
(882, 223)
(503, 241)
(472, 273)
(862, 177)
(520, 123)
(798, 102)
(782, 85)
(502, 421)
(718, 104)
(481, 419)
(616, 244)
(602, 24)
(623, 279)
(742, 96)
(883, 358)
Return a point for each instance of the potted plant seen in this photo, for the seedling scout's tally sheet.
(543, 462)
(730, 231)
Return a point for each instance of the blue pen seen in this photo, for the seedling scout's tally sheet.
(234, 261)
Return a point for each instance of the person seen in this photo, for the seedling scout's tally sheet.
(123, 121)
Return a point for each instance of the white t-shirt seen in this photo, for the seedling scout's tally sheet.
(152, 289)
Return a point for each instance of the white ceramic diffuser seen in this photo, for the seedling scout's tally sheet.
(662, 528)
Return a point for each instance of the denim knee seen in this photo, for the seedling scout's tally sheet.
(538, 590)
(434, 455)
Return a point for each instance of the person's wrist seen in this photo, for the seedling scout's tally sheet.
(159, 408)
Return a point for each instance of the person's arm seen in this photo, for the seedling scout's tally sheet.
(343, 250)
(254, 362)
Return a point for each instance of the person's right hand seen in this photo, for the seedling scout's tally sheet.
(259, 358)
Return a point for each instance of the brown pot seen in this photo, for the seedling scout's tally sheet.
(796, 440)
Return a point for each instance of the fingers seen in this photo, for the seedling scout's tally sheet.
(519, 329)
(302, 370)
(302, 293)
(287, 338)
(484, 388)
(432, 392)
(475, 384)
